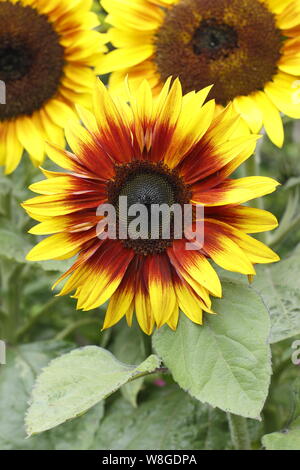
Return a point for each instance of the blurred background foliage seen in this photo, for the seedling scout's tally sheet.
(146, 414)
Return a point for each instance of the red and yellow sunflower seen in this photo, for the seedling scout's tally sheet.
(249, 49)
(172, 149)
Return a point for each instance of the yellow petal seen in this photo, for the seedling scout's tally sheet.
(124, 58)
(250, 112)
(30, 138)
(271, 118)
(14, 149)
(54, 247)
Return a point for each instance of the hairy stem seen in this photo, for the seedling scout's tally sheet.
(252, 168)
(159, 370)
(239, 432)
(280, 237)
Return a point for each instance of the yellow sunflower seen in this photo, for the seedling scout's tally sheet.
(249, 49)
(173, 149)
(48, 49)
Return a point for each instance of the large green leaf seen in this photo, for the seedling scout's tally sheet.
(279, 285)
(289, 439)
(128, 346)
(77, 381)
(226, 362)
(16, 380)
(168, 419)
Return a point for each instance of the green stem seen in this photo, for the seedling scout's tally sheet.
(11, 286)
(252, 168)
(289, 221)
(239, 432)
(282, 234)
(147, 344)
(278, 371)
(71, 328)
(33, 320)
(159, 370)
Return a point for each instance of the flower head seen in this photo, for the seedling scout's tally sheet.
(171, 150)
(47, 51)
(249, 49)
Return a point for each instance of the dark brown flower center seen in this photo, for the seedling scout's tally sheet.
(148, 189)
(214, 40)
(14, 62)
(31, 59)
(151, 185)
(233, 44)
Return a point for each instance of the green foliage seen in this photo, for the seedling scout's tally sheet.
(223, 365)
(226, 362)
(16, 381)
(166, 419)
(288, 439)
(219, 359)
(128, 346)
(77, 381)
(279, 286)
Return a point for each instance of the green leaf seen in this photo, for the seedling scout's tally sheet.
(288, 439)
(128, 346)
(77, 381)
(16, 380)
(79, 433)
(168, 419)
(13, 246)
(279, 286)
(225, 362)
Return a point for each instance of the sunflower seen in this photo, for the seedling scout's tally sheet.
(172, 149)
(47, 51)
(249, 49)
